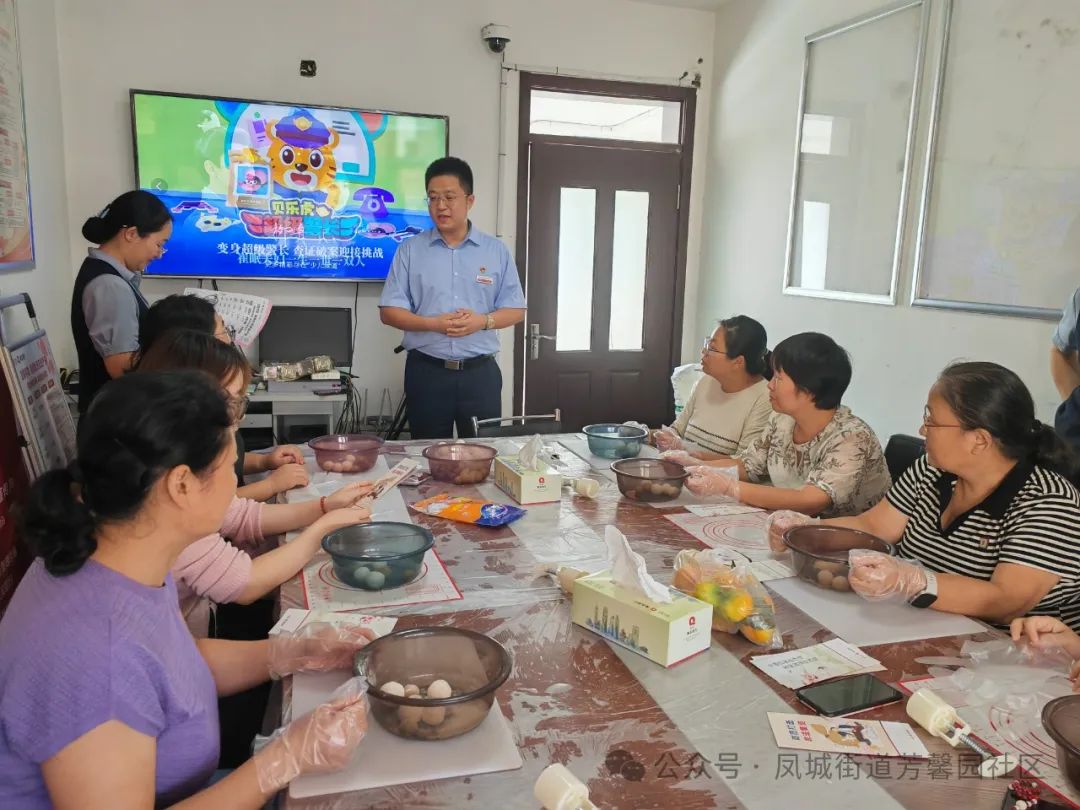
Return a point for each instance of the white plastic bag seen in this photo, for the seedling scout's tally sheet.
(683, 380)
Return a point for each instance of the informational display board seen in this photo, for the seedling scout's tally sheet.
(14, 481)
(41, 400)
(16, 234)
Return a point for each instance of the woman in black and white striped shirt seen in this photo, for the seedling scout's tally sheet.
(987, 523)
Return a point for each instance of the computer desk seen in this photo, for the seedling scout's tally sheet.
(293, 404)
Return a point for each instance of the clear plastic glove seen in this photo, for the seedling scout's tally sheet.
(284, 454)
(321, 741)
(716, 482)
(878, 577)
(315, 647)
(289, 476)
(350, 495)
(667, 438)
(779, 522)
(684, 457)
(1046, 633)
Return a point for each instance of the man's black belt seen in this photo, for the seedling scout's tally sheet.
(453, 365)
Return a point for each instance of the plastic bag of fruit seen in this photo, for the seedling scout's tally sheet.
(740, 603)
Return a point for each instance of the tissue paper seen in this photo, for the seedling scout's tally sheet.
(627, 568)
(529, 479)
(629, 608)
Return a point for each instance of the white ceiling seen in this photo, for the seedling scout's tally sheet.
(707, 5)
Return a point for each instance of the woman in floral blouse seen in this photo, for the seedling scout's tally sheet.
(816, 455)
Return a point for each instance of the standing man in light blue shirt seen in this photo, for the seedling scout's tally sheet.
(450, 289)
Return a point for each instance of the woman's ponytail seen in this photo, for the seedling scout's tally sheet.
(57, 524)
(1050, 451)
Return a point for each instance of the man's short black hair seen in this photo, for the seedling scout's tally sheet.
(453, 166)
(817, 365)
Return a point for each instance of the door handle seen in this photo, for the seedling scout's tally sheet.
(534, 340)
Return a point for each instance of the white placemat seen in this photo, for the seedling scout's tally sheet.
(382, 759)
(862, 622)
(742, 534)
(324, 591)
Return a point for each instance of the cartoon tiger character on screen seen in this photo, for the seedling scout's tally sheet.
(301, 157)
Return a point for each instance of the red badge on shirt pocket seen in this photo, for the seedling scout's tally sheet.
(483, 278)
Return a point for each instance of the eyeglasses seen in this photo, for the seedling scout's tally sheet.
(928, 422)
(707, 347)
(238, 407)
(227, 331)
(449, 199)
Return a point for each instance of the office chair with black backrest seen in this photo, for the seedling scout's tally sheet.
(901, 452)
(504, 426)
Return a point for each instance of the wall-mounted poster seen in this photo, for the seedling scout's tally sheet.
(16, 234)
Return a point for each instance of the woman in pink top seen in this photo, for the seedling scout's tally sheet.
(213, 569)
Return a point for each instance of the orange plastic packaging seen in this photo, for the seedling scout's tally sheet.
(740, 603)
(467, 510)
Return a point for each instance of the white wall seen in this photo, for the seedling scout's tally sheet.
(409, 55)
(49, 284)
(897, 351)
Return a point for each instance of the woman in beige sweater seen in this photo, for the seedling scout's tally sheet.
(729, 406)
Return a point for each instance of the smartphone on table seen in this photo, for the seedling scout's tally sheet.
(845, 696)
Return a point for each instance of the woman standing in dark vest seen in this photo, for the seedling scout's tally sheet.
(106, 304)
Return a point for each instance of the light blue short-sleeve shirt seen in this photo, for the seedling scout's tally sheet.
(428, 277)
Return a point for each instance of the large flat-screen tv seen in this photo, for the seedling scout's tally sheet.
(269, 190)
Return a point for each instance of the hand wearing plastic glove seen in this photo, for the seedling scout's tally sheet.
(321, 741)
(683, 457)
(779, 522)
(316, 647)
(667, 438)
(349, 495)
(284, 454)
(879, 577)
(1048, 633)
(713, 482)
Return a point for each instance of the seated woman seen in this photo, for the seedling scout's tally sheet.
(818, 457)
(115, 705)
(729, 407)
(212, 569)
(285, 463)
(987, 523)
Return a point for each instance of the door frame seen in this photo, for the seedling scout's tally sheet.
(687, 96)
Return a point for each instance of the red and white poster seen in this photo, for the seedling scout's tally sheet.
(16, 234)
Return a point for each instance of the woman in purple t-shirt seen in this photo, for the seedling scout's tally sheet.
(106, 701)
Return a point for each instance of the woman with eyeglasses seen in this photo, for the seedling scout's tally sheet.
(987, 523)
(106, 305)
(729, 406)
(284, 463)
(815, 456)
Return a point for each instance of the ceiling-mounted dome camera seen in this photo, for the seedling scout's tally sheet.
(496, 37)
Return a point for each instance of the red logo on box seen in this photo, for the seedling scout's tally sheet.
(693, 620)
(540, 480)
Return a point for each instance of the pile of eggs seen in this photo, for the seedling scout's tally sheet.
(411, 717)
(832, 576)
(649, 490)
(472, 474)
(347, 464)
